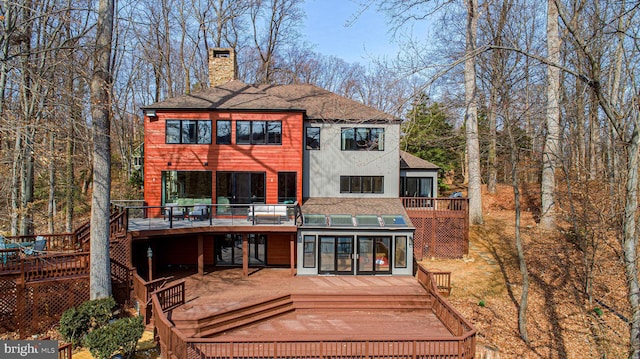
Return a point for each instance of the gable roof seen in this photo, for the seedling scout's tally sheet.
(409, 161)
(233, 95)
(318, 103)
(321, 104)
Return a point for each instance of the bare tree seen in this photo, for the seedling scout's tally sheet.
(549, 156)
(471, 116)
(100, 276)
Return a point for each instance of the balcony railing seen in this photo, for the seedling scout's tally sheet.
(202, 215)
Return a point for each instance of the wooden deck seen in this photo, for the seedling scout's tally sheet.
(328, 307)
(272, 315)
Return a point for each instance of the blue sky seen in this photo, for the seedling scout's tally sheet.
(325, 29)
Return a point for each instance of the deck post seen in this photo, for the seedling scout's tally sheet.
(292, 253)
(200, 255)
(245, 254)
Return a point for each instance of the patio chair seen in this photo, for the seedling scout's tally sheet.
(5, 256)
(199, 212)
(39, 246)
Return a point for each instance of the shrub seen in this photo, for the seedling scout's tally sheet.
(99, 311)
(75, 323)
(482, 303)
(121, 335)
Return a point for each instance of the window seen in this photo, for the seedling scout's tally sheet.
(287, 187)
(362, 139)
(188, 131)
(241, 187)
(186, 184)
(416, 186)
(400, 259)
(309, 256)
(259, 132)
(223, 132)
(313, 138)
(361, 184)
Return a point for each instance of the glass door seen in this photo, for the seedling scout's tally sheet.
(344, 255)
(327, 255)
(336, 255)
(374, 255)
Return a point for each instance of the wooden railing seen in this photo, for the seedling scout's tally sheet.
(142, 293)
(435, 204)
(171, 297)
(453, 320)
(443, 282)
(55, 242)
(54, 266)
(65, 351)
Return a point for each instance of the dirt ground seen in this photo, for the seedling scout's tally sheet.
(562, 321)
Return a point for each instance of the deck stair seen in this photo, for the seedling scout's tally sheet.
(208, 321)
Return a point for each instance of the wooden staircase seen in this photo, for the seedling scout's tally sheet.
(209, 321)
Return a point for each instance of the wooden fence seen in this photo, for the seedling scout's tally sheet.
(442, 226)
(175, 345)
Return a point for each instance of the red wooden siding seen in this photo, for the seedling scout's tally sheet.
(270, 159)
(278, 249)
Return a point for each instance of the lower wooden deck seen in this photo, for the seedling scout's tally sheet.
(227, 290)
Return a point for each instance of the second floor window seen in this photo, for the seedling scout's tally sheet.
(361, 184)
(258, 132)
(362, 139)
(188, 131)
(223, 132)
(313, 138)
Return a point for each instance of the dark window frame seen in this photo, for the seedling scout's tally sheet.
(227, 137)
(314, 144)
(358, 184)
(362, 138)
(267, 136)
(184, 133)
(309, 251)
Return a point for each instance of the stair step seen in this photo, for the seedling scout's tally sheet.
(191, 323)
(244, 321)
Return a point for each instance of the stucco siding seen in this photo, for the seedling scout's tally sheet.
(323, 167)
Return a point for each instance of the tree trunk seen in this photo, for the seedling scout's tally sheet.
(471, 117)
(51, 208)
(524, 296)
(15, 180)
(100, 276)
(630, 240)
(550, 151)
(70, 180)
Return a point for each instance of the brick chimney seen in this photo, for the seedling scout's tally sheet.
(222, 66)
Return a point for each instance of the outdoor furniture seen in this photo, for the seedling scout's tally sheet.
(39, 246)
(172, 210)
(8, 251)
(199, 212)
(272, 213)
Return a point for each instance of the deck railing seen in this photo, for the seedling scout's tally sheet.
(142, 293)
(65, 351)
(55, 242)
(174, 344)
(55, 266)
(451, 318)
(198, 215)
(435, 204)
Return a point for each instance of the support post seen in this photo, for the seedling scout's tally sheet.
(200, 255)
(245, 254)
(292, 254)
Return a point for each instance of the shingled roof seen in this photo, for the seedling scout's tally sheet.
(409, 161)
(318, 103)
(321, 104)
(233, 95)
